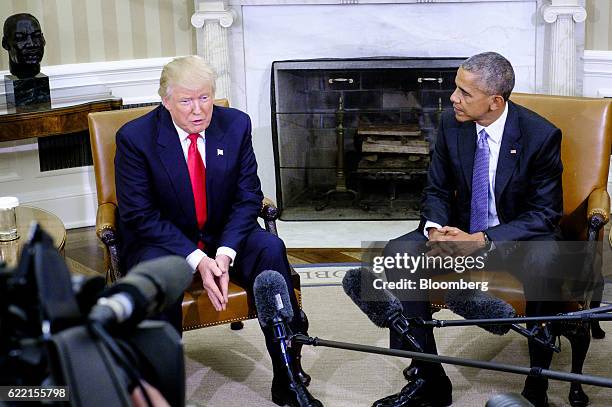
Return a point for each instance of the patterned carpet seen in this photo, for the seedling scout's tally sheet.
(231, 368)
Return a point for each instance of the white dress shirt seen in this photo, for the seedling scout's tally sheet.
(197, 255)
(495, 131)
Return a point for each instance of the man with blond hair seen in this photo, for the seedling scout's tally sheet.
(187, 185)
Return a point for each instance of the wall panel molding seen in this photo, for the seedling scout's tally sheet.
(136, 81)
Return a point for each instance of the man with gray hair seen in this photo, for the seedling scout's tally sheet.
(494, 178)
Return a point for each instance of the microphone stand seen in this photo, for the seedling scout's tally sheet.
(587, 315)
(400, 324)
(280, 331)
(593, 314)
(533, 372)
(280, 334)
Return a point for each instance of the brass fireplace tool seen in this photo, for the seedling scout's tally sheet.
(340, 188)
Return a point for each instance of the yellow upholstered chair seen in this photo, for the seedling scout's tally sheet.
(586, 125)
(198, 311)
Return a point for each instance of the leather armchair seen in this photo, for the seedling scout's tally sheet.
(198, 312)
(586, 125)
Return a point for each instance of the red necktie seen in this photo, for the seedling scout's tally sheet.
(197, 174)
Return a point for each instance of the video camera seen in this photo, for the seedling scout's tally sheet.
(52, 332)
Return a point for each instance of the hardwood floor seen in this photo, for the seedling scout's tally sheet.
(85, 253)
(85, 249)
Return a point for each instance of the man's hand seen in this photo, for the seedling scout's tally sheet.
(435, 233)
(215, 282)
(223, 262)
(452, 241)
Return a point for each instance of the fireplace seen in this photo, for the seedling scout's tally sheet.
(352, 137)
(242, 38)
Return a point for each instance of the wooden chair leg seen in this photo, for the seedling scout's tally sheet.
(580, 339)
(236, 326)
(596, 330)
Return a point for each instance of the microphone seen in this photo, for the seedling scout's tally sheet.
(148, 288)
(382, 307)
(476, 304)
(271, 295)
(269, 285)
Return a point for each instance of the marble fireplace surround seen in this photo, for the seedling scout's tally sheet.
(242, 38)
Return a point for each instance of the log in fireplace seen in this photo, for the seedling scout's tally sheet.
(352, 137)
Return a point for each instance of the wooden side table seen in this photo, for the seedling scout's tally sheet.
(49, 121)
(51, 224)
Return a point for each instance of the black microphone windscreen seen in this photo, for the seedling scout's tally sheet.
(267, 286)
(508, 400)
(87, 290)
(476, 304)
(378, 304)
(168, 276)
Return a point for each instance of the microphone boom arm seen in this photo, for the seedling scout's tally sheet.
(587, 315)
(426, 357)
(580, 316)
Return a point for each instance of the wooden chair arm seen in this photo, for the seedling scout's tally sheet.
(598, 212)
(599, 204)
(269, 213)
(106, 231)
(106, 219)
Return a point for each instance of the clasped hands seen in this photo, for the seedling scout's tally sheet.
(452, 241)
(215, 279)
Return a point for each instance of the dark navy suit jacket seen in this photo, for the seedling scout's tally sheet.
(528, 192)
(156, 204)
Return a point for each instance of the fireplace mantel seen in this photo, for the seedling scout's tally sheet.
(534, 35)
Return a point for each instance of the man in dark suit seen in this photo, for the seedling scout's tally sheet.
(187, 184)
(494, 183)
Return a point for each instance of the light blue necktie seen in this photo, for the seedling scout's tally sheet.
(479, 214)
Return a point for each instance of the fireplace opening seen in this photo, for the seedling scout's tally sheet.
(352, 137)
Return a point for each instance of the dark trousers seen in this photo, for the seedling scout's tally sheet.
(534, 266)
(260, 251)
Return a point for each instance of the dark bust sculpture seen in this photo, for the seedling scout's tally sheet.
(26, 86)
(25, 42)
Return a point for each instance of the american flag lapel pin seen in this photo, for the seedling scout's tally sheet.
(219, 152)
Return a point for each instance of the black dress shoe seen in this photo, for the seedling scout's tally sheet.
(596, 331)
(538, 400)
(420, 392)
(577, 396)
(535, 391)
(293, 395)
